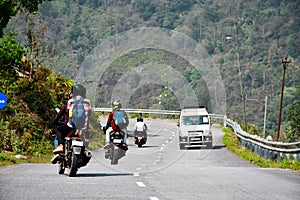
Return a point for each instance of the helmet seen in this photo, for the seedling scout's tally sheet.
(78, 89)
(116, 105)
(139, 119)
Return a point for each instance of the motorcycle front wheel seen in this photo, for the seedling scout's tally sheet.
(74, 165)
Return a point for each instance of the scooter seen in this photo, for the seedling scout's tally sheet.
(139, 138)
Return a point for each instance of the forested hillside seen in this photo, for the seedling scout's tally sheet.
(246, 39)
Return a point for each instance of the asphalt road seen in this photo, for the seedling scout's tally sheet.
(159, 170)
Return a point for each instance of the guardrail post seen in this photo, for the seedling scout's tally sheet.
(275, 155)
(268, 154)
(259, 150)
(265, 153)
(288, 155)
(280, 156)
(224, 123)
(251, 147)
(262, 151)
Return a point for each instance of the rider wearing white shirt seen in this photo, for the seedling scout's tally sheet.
(140, 126)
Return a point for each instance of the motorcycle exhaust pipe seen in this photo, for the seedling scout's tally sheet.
(88, 154)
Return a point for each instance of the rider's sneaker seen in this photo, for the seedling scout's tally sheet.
(106, 154)
(125, 147)
(58, 149)
(55, 159)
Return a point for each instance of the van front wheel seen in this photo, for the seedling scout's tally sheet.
(182, 146)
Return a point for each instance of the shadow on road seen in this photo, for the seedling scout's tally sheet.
(103, 174)
(219, 146)
(214, 147)
(148, 146)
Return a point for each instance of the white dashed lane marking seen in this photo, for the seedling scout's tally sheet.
(140, 184)
(154, 198)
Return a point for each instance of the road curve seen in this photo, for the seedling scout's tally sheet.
(158, 170)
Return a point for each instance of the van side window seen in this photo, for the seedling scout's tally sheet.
(205, 120)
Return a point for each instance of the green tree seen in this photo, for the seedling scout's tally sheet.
(10, 57)
(9, 8)
(293, 114)
(146, 8)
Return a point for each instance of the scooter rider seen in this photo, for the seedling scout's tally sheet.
(140, 126)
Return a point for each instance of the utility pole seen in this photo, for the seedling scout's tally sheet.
(265, 116)
(285, 63)
(240, 78)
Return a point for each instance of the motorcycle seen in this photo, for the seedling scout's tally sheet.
(75, 155)
(117, 148)
(139, 138)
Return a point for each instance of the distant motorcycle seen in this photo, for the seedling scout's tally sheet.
(139, 138)
(117, 148)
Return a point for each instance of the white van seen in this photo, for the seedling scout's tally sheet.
(194, 128)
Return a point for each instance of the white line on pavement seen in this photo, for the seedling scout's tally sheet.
(154, 198)
(140, 184)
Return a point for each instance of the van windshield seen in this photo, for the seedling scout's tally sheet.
(195, 120)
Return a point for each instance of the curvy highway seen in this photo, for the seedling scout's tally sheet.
(157, 171)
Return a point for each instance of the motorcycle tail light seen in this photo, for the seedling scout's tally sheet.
(78, 139)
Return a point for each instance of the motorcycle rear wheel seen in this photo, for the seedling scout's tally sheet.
(140, 144)
(74, 165)
(115, 157)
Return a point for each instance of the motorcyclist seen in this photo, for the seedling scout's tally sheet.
(140, 126)
(60, 123)
(116, 105)
(78, 91)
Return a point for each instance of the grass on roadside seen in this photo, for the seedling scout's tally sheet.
(231, 142)
(9, 158)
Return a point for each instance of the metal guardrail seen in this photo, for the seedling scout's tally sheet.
(149, 111)
(269, 149)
